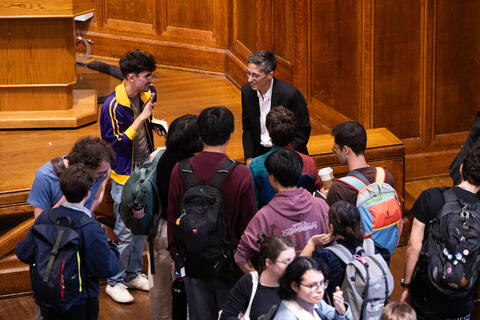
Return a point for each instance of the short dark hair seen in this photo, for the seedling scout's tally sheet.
(76, 181)
(285, 165)
(351, 134)
(183, 136)
(471, 167)
(281, 125)
(265, 59)
(294, 273)
(91, 152)
(215, 125)
(271, 247)
(136, 62)
(345, 219)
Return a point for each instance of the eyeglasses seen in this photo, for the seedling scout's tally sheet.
(287, 262)
(253, 74)
(316, 285)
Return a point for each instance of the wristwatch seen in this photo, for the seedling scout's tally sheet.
(403, 284)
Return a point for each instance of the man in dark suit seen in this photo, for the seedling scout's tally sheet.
(259, 95)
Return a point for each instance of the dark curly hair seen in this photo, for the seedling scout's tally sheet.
(91, 152)
(136, 62)
(281, 125)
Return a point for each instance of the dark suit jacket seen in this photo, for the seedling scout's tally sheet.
(283, 94)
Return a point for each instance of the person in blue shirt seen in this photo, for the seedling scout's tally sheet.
(97, 258)
(94, 153)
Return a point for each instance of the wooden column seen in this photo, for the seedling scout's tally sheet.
(37, 57)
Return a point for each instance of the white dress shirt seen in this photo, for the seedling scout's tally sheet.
(265, 104)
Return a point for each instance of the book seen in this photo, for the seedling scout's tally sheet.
(161, 124)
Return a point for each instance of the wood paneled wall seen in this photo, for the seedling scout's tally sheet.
(411, 66)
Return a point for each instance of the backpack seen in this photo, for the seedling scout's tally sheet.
(380, 208)
(201, 233)
(368, 282)
(57, 275)
(451, 250)
(141, 190)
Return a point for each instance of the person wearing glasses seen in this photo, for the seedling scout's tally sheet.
(302, 288)
(293, 212)
(344, 227)
(125, 124)
(262, 92)
(276, 252)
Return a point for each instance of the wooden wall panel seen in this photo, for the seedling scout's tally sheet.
(191, 14)
(283, 29)
(397, 66)
(336, 58)
(245, 23)
(26, 45)
(457, 65)
(129, 10)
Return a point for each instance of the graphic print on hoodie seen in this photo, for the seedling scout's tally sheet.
(295, 214)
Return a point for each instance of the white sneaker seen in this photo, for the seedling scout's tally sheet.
(140, 283)
(119, 293)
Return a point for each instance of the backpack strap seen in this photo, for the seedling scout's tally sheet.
(341, 252)
(384, 273)
(58, 165)
(353, 181)
(187, 173)
(222, 172)
(380, 174)
(369, 246)
(254, 275)
(158, 156)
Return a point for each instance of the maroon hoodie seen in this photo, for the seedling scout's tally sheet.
(295, 214)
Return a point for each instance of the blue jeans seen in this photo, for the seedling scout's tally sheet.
(130, 247)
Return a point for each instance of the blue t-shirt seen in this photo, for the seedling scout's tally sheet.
(45, 192)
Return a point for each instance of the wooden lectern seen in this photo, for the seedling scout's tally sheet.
(37, 59)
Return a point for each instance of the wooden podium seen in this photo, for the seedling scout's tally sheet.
(37, 59)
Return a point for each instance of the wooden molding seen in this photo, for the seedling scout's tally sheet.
(9, 240)
(366, 111)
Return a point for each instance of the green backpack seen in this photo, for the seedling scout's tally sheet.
(141, 190)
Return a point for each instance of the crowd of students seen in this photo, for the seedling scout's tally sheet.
(246, 241)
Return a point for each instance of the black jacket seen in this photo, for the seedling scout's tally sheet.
(283, 94)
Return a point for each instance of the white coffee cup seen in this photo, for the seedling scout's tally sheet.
(326, 175)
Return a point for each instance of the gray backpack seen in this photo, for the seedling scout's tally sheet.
(368, 281)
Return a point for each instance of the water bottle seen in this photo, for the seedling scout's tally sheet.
(138, 209)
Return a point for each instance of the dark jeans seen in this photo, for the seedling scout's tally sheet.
(86, 311)
(206, 297)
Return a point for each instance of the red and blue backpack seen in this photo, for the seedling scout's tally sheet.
(380, 208)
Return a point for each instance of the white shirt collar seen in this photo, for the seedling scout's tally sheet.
(78, 207)
(268, 94)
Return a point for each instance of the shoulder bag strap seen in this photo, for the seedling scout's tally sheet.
(58, 165)
(254, 275)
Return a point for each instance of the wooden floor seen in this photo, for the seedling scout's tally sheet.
(23, 307)
(179, 92)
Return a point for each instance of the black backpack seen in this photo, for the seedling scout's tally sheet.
(57, 274)
(450, 254)
(202, 239)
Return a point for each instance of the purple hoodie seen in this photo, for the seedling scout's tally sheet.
(295, 214)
